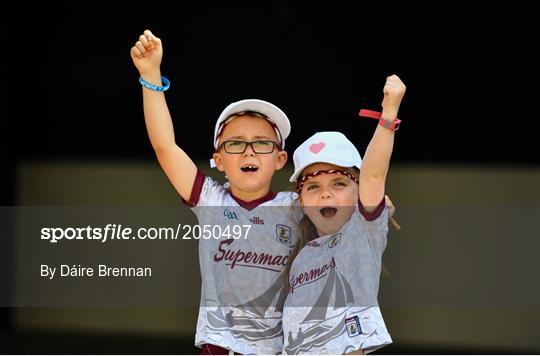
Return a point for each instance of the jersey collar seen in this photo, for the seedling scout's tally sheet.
(250, 205)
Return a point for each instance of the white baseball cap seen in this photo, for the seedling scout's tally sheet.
(272, 113)
(325, 147)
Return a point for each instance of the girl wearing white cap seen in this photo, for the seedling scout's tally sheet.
(334, 269)
(242, 276)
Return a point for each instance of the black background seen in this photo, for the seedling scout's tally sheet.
(69, 89)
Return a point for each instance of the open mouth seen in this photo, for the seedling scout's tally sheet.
(328, 212)
(249, 168)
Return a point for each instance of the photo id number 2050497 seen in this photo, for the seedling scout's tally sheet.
(206, 232)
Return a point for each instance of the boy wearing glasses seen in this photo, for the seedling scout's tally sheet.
(242, 282)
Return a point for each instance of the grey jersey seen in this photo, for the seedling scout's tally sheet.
(332, 304)
(242, 282)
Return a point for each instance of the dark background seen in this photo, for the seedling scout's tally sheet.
(69, 90)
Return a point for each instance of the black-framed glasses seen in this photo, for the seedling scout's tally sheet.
(259, 146)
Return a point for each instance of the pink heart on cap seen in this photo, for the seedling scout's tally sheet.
(317, 147)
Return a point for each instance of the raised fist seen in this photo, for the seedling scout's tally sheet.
(147, 53)
(393, 90)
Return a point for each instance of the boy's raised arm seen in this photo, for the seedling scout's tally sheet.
(178, 166)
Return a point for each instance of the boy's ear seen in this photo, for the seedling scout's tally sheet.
(218, 160)
(281, 159)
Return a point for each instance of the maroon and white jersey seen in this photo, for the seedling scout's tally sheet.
(242, 282)
(332, 304)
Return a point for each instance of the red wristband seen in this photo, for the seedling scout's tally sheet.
(391, 125)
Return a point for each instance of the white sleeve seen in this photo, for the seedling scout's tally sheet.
(376, 225)
(206, 192)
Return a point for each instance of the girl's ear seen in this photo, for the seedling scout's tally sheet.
(218, 160)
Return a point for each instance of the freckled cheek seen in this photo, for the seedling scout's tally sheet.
(268, 162)
(313, 215)
(311, 210)
(347, 199)
(347, 212)
(226, 158)
(230, 164)
(308, 198)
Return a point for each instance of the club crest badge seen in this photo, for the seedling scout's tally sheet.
(334, 240)
(283, 234)
(352, 325)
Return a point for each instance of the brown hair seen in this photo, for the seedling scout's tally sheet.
(307, 231)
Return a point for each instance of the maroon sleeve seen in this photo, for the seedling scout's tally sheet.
(196, 190)
(209, 349)
(370, 216)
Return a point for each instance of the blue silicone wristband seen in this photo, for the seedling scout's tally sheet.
(151, 86)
